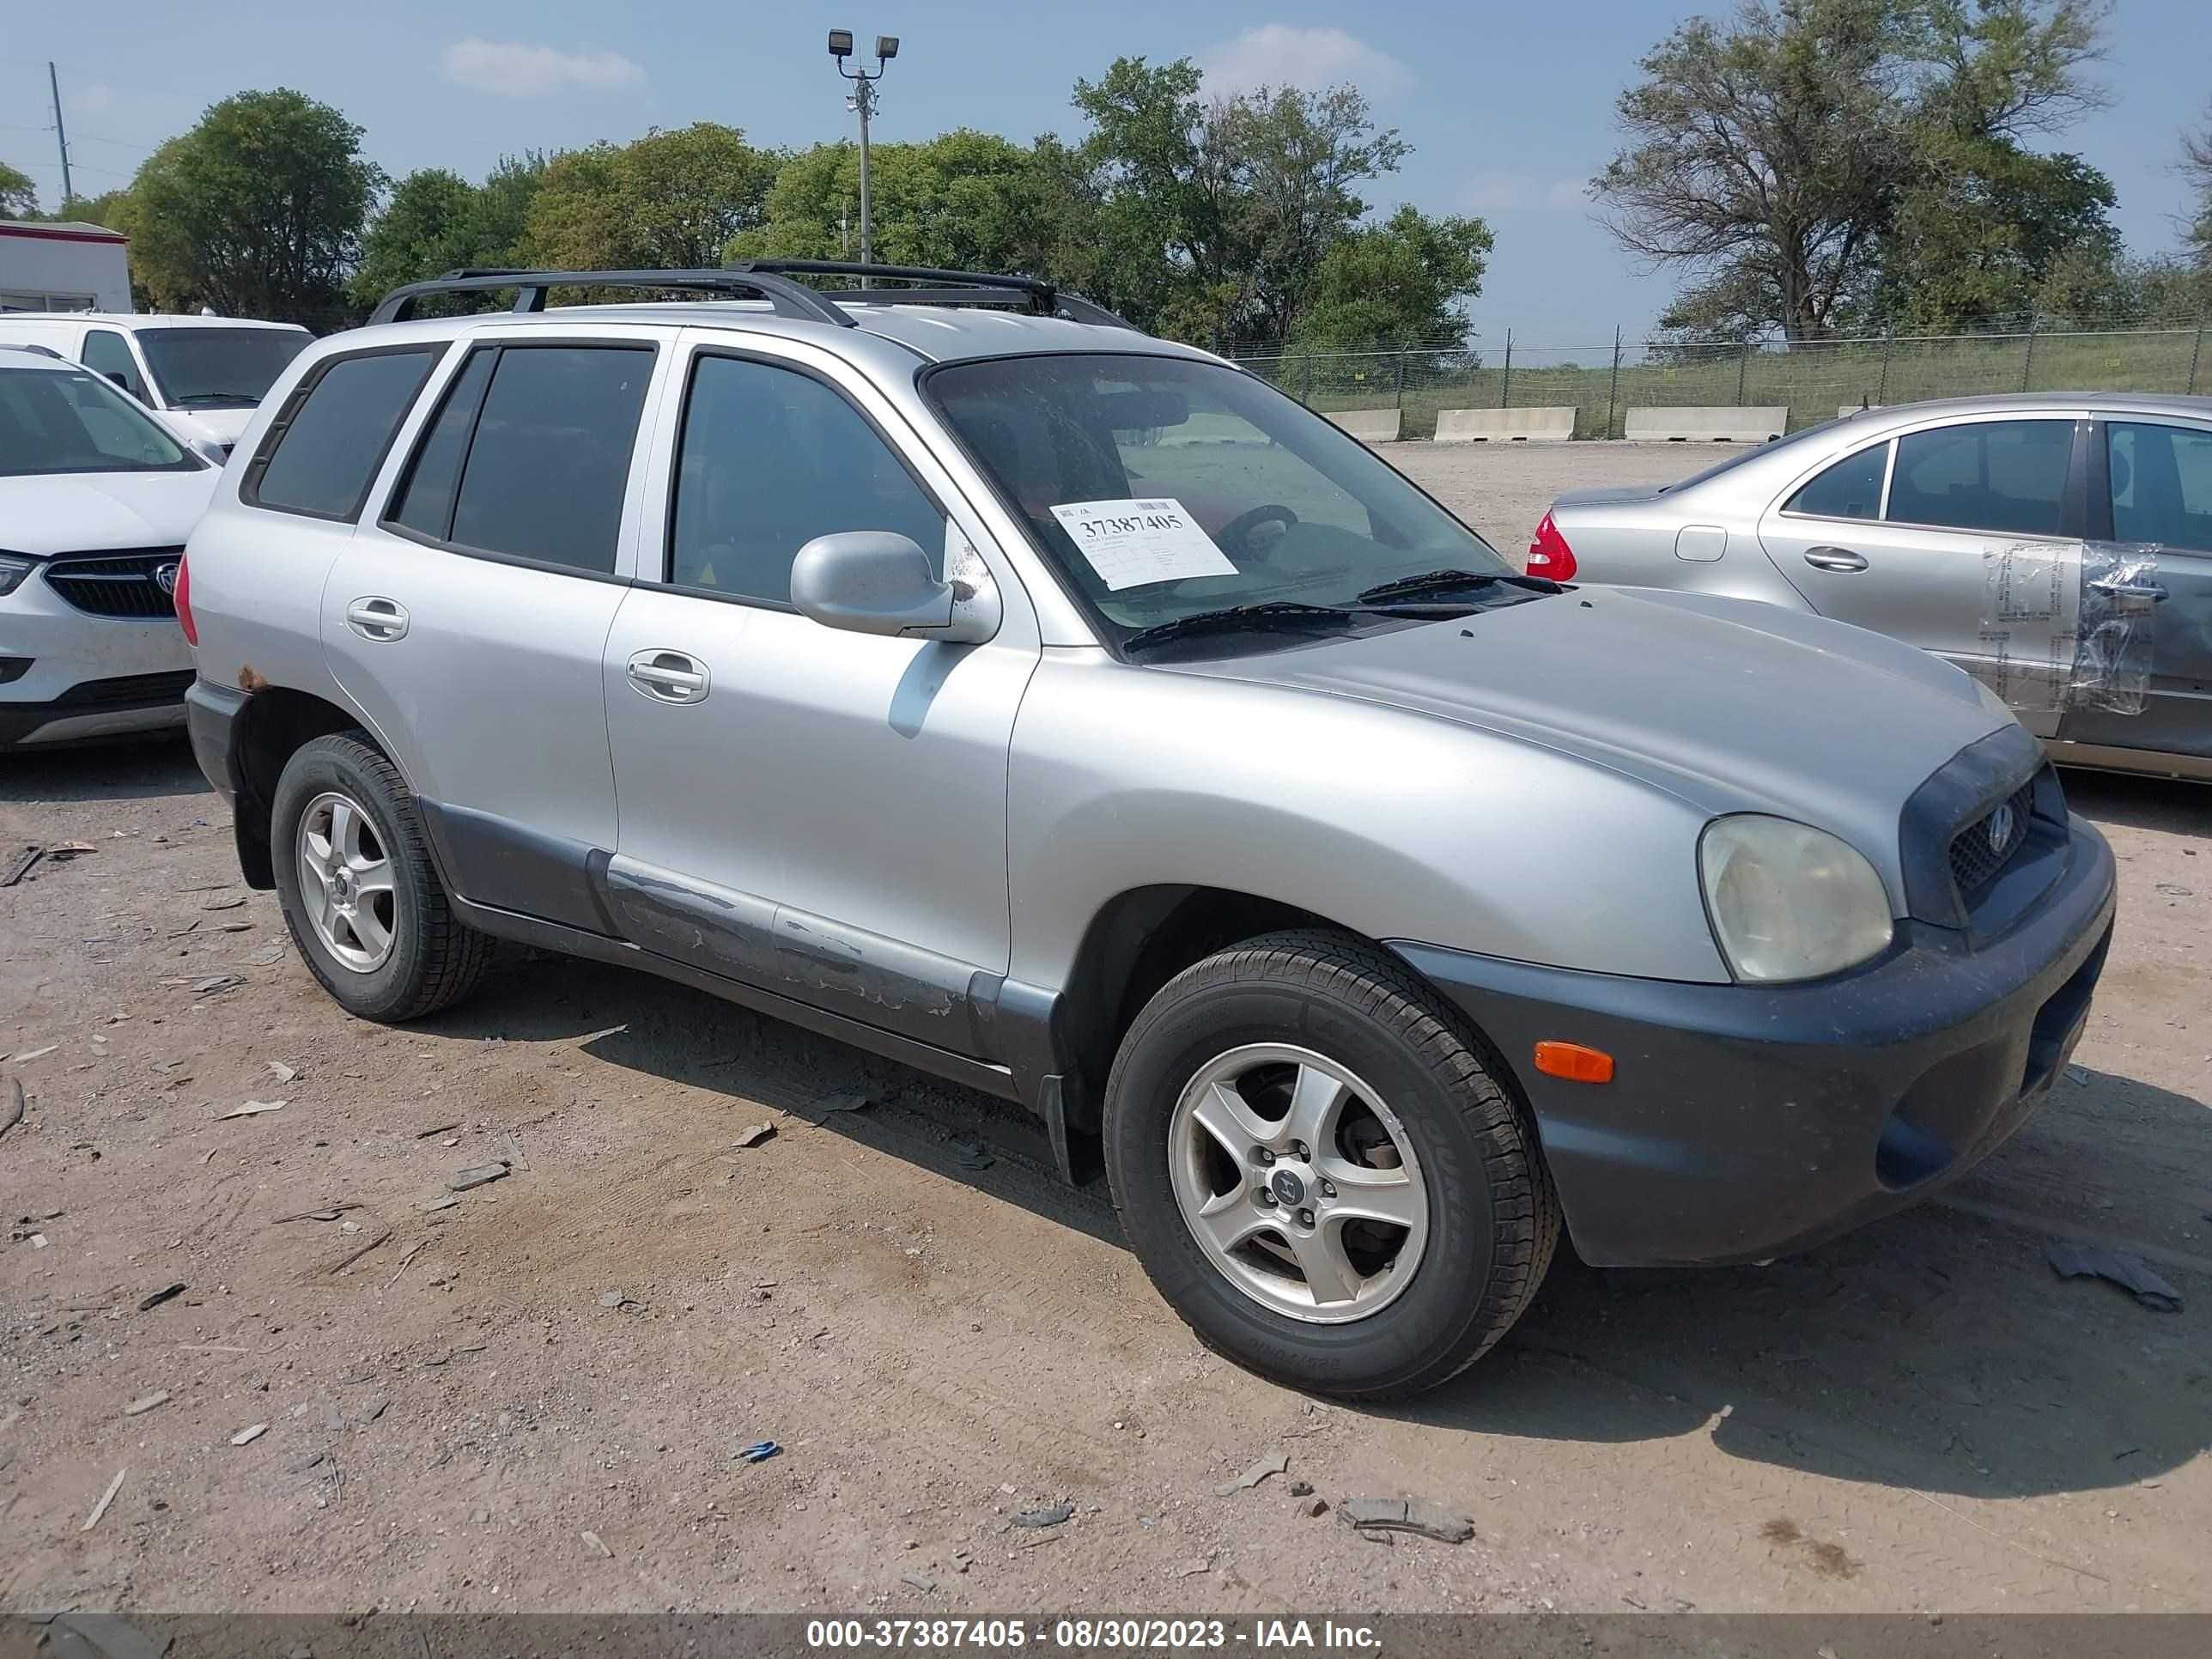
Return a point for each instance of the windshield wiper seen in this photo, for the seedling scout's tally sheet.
(1250, 619)
(194, 399)
(1430, 582)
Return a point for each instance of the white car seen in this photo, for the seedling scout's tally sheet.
(96, 499)
(202, 375)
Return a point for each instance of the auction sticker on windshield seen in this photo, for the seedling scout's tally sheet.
(1131, 544)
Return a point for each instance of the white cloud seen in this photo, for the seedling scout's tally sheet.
(514, 70)
(1284, 55)
(1506, 192)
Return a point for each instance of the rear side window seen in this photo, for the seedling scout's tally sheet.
(1851, 488)
(331, 436)
(529, 455)
(2003, 476)
(106, 352)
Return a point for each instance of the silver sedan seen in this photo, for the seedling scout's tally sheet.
(1891, 518)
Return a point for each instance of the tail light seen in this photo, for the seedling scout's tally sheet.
(183, 599)
(1548, 554)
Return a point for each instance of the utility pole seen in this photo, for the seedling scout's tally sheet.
(863, 100)
(61, 136)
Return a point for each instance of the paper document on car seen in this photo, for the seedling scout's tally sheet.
(2031, 617)
(1133, 543)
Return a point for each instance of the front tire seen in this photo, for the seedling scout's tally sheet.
(1320, 1172)
(359, 892)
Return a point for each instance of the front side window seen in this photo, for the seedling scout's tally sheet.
(771, 458)
(530, 454)
(1164, 487)
(106, 352)
(54, 420)
(2161, 484)
(2001, 476)
(1850, 489)
(219, 367)
(323, 450)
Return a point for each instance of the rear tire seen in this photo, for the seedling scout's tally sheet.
(1422, 1132)
(359, 892)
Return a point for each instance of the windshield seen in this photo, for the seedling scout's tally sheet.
(1164, 487)
(218, 368)
(72, 420)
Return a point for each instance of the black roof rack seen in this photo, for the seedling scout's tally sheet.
(769, 280)
(786, 299)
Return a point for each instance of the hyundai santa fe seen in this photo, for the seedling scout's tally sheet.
(955, 671)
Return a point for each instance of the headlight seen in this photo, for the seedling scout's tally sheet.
(1788, 901)
(13, 570)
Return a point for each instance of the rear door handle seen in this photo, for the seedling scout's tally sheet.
(376, 618)
(669, 677)
(1834, 558)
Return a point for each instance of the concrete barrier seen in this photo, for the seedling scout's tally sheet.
(1372, 426)
(1512, 426)
(1719, 423)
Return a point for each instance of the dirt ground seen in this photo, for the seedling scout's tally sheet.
(532, 1399)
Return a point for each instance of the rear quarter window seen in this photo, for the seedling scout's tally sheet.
(326, 446)
(1849, 489)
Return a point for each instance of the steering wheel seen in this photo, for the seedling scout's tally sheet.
(1238, 530)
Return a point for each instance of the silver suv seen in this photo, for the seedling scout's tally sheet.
(956, 671)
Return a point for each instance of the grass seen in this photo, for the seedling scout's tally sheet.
(1813, 380)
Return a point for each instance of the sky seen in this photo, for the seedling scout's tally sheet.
(1508, 107)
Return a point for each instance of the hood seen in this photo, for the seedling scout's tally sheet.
(92, 511)
(223, 426)
(1728, 705)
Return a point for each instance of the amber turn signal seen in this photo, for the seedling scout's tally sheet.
(1574, 1062)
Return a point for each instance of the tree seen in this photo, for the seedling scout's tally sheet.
(965, 199)
(422, 230)
(1298, 157)
(256, 211)
(436, 220)
(1979, 232)
(1396, 283)
(19, 197)
(1763, 160)
(1212, 217)
(2197, 168)
(669, 199)
(1819, 160)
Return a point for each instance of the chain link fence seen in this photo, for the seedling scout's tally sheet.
(1815, 379)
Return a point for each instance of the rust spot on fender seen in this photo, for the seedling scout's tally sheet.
(249, 678)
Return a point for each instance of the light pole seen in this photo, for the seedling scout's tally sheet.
(863, 99)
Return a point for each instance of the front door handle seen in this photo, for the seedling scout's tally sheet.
(2149, 591)
(1834, 558)
(376, 618)
(669, 677)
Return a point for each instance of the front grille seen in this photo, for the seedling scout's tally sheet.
(1984, 847)
(116, 584)
(129, 689)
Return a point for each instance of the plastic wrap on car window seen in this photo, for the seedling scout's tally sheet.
(2068, 625)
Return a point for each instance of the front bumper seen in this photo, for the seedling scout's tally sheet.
(1746, 1122)
(87, 675)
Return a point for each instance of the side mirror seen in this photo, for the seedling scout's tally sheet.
(211, 451)
(877, 581)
